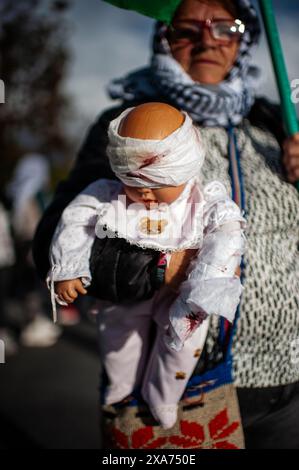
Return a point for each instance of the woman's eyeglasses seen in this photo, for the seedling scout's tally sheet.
(223, 31)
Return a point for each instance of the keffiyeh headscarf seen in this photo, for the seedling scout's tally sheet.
(224, 104)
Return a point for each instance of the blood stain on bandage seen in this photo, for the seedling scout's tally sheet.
(149, 161)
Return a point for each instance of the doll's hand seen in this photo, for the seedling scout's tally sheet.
(69, 290)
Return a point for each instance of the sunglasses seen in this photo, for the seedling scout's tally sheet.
(223, 31)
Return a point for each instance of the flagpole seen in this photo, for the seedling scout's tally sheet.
(280, 69)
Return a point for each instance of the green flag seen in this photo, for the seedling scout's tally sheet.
(280, 69)
(158, 9)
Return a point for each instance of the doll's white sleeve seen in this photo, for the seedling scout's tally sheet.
(73, 238)
(211, 286)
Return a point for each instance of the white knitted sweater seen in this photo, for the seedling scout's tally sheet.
(267, 337)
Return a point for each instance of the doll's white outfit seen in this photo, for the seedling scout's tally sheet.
(124, 331)
(205, 219)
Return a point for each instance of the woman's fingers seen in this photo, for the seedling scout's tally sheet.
(293, 175)
(292, 168)
(291, 157)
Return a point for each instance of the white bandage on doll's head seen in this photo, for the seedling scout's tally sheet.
(156, 163)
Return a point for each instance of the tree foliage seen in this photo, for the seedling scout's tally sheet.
(33, 63)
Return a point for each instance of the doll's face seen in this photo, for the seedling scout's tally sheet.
(150, 197)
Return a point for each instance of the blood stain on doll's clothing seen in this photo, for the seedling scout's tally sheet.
(180, 375)
(197, 352)
(193, 321)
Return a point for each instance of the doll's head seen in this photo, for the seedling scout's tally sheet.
(152, 121)
(154, 149)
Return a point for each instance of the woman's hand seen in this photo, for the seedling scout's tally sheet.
(69, 290)
(291, 157)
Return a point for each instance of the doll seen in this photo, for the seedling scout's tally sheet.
(158, 203)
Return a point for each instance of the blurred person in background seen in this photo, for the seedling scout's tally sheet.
(29, 192)
(200, 67)
(7, 261)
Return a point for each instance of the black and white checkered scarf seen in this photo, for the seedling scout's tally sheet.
(223, 104)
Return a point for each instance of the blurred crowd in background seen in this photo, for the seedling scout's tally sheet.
(35, 152)
(24, 299)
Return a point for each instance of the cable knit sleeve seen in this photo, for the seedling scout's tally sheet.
(211, 286)
(73, 238)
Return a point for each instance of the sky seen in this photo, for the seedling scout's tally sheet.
(107, 42)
